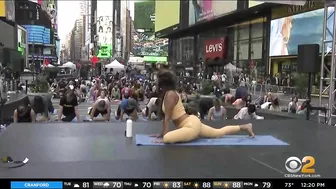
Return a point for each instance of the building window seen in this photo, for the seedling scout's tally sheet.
(256, 48)
(243, 49)
(235, 50)
(243, 32)
(257, 30)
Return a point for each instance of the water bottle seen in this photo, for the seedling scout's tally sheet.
(2, 128)
(129, 128)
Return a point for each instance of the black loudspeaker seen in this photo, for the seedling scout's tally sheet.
(13, 60)
(308, 58)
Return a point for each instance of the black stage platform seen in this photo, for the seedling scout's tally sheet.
(100, 150)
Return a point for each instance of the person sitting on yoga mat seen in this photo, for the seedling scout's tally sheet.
(189, 127)
(40, 108)
(217, 112)
(151, 107)
(101, 106)
(129, 107)
(247, 113)
(24, 114)
(68, 107)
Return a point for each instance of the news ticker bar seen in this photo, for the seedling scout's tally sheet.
(191, 184)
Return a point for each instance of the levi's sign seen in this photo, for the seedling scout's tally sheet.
(215, 48)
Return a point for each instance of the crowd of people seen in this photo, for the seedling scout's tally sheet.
(165, 99)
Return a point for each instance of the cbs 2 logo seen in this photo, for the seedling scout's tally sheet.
(306, 165)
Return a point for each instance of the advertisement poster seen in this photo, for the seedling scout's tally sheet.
(167, 14)
(104, 27)
(22, 43)
(305, 28)
(144, 41)
(144, 15)
(205, 10)
(145, 44)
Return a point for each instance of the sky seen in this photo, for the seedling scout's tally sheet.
(68, 12)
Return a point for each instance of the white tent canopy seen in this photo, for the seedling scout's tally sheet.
(27, 71)
(69, 65)
(114, 66)
(231, 67)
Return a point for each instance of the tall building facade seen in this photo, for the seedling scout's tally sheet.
(87, 32)
(104, 30)
(39, 19)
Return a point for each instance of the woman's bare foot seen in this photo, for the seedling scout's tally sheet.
(248, 129)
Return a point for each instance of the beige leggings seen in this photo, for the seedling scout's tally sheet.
(192, 128)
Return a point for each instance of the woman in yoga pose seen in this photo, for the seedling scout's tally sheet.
(189, 127)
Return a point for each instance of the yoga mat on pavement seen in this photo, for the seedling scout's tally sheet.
(231, 140)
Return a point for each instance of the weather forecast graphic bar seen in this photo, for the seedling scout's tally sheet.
(175, 184)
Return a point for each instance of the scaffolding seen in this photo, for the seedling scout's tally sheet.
(328, 75)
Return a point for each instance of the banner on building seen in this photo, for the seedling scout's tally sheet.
(206, 10)
(7, 10)
(144, 15)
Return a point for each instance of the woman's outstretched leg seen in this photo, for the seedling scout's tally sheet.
(210, 132)
(184, 134)
(189, 130)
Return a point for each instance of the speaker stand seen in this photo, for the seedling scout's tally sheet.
(309, 96)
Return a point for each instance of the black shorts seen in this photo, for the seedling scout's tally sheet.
(96, 113)
(129, 111)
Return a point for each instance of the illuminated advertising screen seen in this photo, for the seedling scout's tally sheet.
(144, 15)
(38, 34)
(105, 28)
(167, 14)
(22, 43)
(105, 51)
(306, 28)
(205, 10)
(254, 3)
(145, 44)
(7, 10)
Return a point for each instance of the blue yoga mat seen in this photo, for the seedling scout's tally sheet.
(230, 140)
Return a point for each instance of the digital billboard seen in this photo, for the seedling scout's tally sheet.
(7, 10)
(22, 43)
(255, 3)
(38, 34)
(205, 10)
(105, 28)
(145, 44)
(167, 14)
(144, 15)
(305, 28)
(105, 51)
